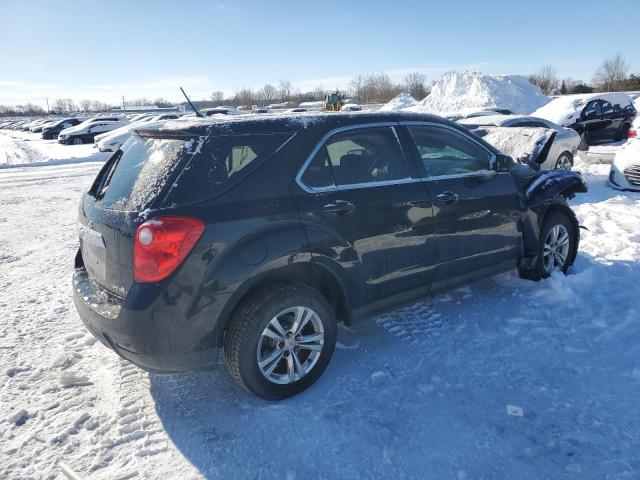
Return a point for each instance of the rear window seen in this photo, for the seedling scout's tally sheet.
(141, 172)
(221, 163)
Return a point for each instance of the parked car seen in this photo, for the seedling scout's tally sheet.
(36, 126)
(207, 112)
(257, 235)
(52, 130)
(86, 131)
(597, 117)
(350, 107)
(563, 149)
(113, 140)
(625, 168)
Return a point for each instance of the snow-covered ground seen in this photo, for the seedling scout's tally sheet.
(19, 148)
(505, 378)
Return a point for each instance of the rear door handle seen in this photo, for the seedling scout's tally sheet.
(339, 207)
(447, 198)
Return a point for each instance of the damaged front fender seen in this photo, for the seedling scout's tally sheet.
(554, 183)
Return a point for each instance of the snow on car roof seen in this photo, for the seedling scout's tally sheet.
(566, 110)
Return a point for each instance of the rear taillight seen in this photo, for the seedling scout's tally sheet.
(632, 134)
(161, 244)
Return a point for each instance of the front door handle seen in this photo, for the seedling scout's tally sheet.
(447, 198)
(339, 207)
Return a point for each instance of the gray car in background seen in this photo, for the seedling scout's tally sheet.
(563, 149)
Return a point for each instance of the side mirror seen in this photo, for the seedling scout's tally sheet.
(502, 163)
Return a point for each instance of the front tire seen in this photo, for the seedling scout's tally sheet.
(280, 340)
(565, 161)
(557, 247)
(77, 141)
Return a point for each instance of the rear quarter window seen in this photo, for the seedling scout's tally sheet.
(222, 162)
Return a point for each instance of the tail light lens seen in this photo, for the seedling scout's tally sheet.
(632, 134)
(161, 244)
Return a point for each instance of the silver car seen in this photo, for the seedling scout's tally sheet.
(562, 151)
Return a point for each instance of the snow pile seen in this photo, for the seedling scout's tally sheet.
(566, 110)
(27, 149)
(475, 90)
(404, 100)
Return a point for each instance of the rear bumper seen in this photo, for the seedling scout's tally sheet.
(142, 335)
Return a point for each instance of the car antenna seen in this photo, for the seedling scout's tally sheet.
(195, 110)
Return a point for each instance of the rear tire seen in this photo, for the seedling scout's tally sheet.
(623, 132)
(557, 247)
(276, 363)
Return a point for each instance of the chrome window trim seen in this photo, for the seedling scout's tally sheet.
(401, 181)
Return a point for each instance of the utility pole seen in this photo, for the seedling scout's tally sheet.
(122, 102)
(47, 99)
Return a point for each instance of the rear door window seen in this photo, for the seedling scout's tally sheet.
(353, 157)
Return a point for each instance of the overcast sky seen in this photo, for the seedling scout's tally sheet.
(103, 50)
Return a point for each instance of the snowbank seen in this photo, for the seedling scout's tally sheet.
(27, 149)
(475, 90)
(566, 110)
(404, 100)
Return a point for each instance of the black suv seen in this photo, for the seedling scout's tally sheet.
(604, 119)
(258, 233)
(52, 131)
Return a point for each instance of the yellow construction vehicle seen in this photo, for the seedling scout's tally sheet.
(334, 101)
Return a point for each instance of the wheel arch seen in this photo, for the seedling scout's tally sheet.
(312, 275)
(532, 226)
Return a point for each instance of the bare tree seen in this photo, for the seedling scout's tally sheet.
(245, 97)
(285, 90)
(85, 105)
(378, 88)
(162, 103)
(64, 105)
(217, 96)
(319, 93)
(268, 93)
(612, 74)
(415, 84)
(356, 88)
(546, 79)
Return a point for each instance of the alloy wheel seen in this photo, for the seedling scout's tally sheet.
(290, 345)
(564, 163)
(556, 248)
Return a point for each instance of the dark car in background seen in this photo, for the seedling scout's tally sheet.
(597, 117)
(51, 132)
(257, 234)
